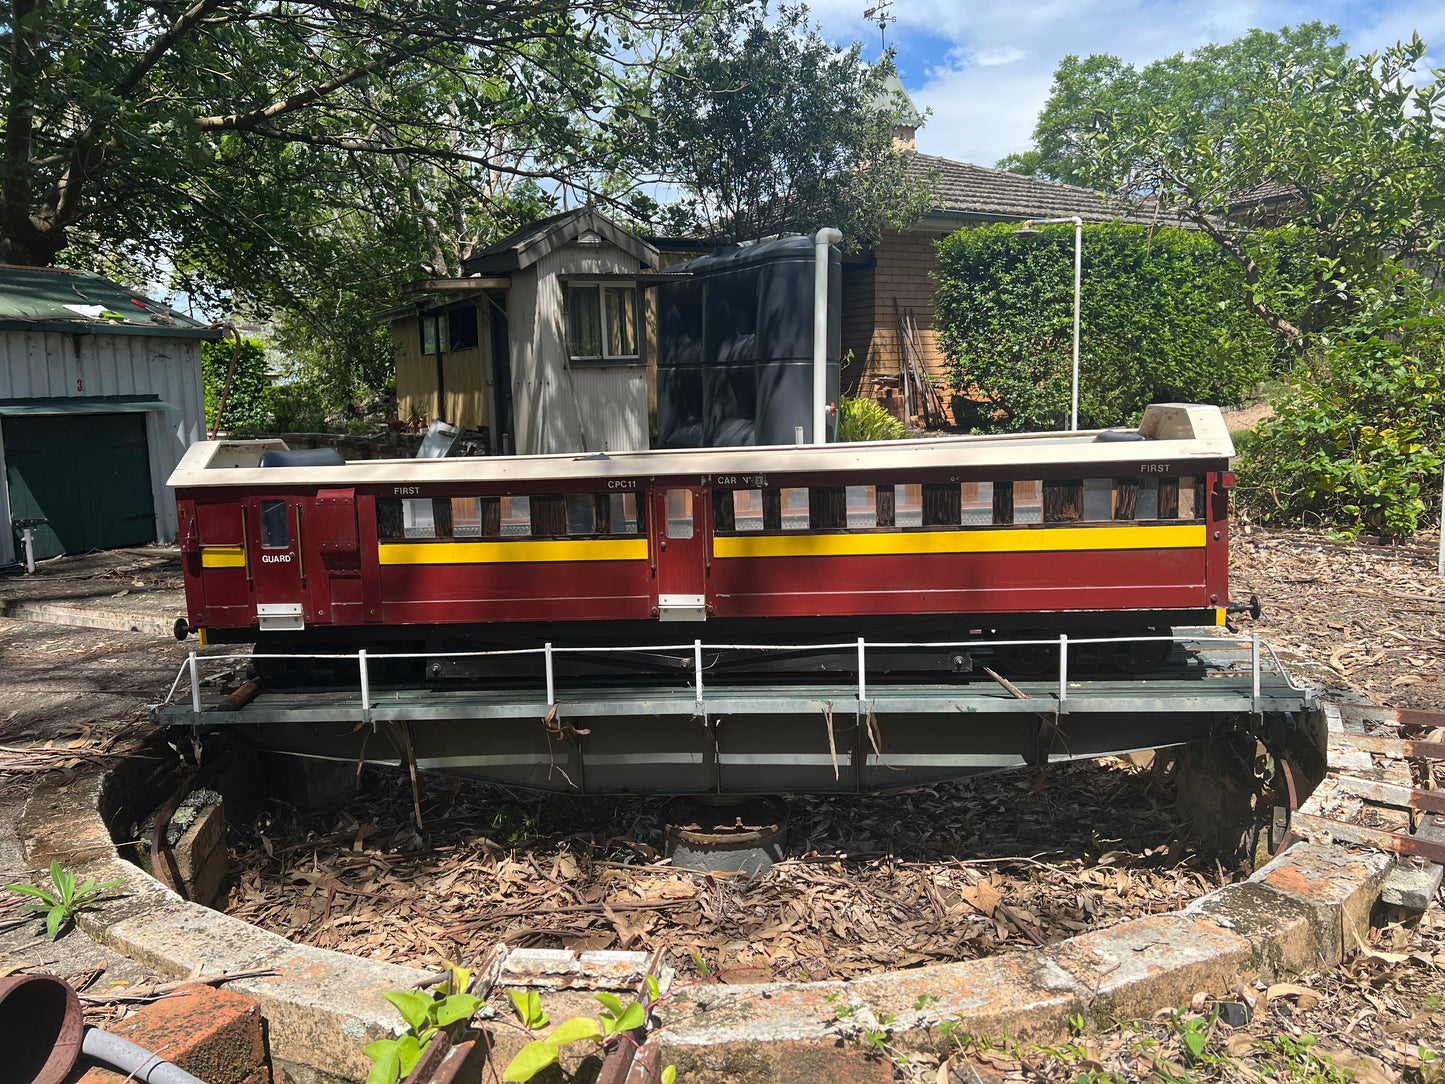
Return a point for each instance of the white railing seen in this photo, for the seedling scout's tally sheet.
(550, 651)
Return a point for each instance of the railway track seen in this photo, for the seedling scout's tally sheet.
(1371, 795)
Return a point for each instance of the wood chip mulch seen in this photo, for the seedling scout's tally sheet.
(937, 873)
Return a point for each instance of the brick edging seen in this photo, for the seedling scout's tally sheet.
(321, 1007)
(1300, 912)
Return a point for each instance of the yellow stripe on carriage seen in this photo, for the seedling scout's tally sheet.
(223, 557)
(1037, 540)
(486, 553)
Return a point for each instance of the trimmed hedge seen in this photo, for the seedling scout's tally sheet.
(1163, 318)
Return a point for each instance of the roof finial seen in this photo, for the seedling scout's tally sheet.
(883, 16)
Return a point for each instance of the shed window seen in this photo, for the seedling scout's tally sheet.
(462, 328)
(434, 333)
(602, 322)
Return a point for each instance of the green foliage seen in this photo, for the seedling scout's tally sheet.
(863, 419)
(608, 1027)
(769, 129)
(66, 901)
(1357, 444)
(1100, 97)
(1163, 319)
(426, 1012)
(248, 403)
(307, 161)
(1348, 150)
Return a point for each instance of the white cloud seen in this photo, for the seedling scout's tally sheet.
(985, 69)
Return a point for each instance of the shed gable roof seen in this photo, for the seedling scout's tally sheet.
(529, 244)
(56, 299)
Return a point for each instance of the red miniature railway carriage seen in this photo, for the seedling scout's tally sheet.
(1120, 531)
(743, 620)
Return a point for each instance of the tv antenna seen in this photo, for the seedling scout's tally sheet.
(880, 14)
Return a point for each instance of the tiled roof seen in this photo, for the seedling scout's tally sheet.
(60, 299)
(967, 190)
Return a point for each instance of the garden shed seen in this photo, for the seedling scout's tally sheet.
(540, 343)
(100, 394)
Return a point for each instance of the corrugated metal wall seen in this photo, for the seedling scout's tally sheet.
(614, 406)
(600, 408)
(52, 365)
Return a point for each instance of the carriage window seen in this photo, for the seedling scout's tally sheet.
(977, 500)
(940, 504)
(1189, 507)
(1098, 499)
(747, 505)
(1003, 503)
(581, 513)
(794, 509)
(827, 508)
(1063, 500)
(418, 518)
(1146, 504)
(908, 505)
(1028, 502)
(549, 514)
(862, 506)
(275, 526)
(622, 513)
(1126, 497)
(516, 516)
(466, 517)
(679, 513)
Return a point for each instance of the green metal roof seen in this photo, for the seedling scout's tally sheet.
(54, 299)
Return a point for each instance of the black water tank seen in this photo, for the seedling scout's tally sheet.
(735, 346)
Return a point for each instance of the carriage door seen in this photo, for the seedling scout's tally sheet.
(680, 527)
(275, 544)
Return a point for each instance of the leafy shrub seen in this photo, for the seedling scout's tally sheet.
(1163, 318)
(248, 403)
(863, 419)
(1357, 444)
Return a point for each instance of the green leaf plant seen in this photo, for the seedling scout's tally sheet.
(608, 1028)
(426, 1012)
(61, 906)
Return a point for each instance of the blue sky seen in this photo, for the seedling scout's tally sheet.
(984, 66)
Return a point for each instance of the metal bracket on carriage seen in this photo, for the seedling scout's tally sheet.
(1368, 798)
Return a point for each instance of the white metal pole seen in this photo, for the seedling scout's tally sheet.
(1078, 282)
(821, 241)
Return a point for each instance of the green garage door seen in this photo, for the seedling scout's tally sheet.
(86, 475)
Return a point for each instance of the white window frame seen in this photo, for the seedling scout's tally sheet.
(601, 285)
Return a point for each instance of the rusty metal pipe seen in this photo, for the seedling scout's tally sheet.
(40, 1028)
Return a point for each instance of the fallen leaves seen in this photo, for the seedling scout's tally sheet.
(879, 882)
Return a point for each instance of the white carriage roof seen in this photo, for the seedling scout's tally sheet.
(1173, 432)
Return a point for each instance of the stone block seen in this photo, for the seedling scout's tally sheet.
(201, 856)
(1283, 931)
(215, 1035)
(1336, 886)
(1130, 971)
(1022, 995)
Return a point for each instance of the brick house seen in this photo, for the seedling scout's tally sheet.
(898, 275)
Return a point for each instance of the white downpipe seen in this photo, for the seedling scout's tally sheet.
(821, 242)
(1078, 282)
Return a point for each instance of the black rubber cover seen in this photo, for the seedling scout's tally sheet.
(304, 457)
